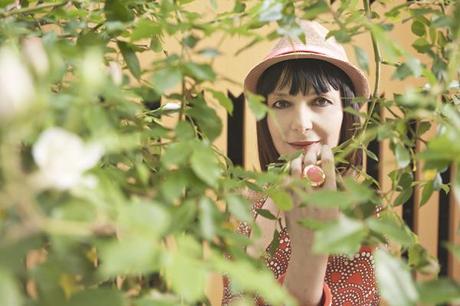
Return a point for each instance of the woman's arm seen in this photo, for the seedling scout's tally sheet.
(306, 271)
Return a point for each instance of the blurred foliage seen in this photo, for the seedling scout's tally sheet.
(101, 203)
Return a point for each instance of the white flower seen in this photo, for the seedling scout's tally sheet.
(35, 53)
(171, 106)
(16, 85)
(63, 157)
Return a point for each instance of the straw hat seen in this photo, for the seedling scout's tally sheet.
(317, 47)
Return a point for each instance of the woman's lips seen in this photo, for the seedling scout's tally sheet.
(301, 145)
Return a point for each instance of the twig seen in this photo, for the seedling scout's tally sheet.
(33, 9)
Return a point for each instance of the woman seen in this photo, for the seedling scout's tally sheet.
(307, 87)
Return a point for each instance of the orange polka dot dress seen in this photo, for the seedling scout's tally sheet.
(348, 281)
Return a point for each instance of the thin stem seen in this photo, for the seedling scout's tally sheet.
(33, 9)
(378, 59)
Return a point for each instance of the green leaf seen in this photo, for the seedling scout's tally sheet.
(418, 28)
(207, 224)
(205, 165)
(145, 28)
(343, 236)
(403, 197)
(266, 214)
(328, 198)
(185, 273)
(9, 291)
(207, 119)
(118, 257)
(402, 156)
(258, 108)
(421, 45)
(98, 297)
(415, 66)
(274, 244)
(270, 10)
(239, 207)
(390, 225)
(174, 185)
(130, 58)
(395, 281)
(144, 218)
(176, 154)
(281, 198)
(223, 100)
(313, 11)
(190, 41)
(362, 58)
(209, 52)
(439, 291)
(116, 10)
(201, 72)
(166, 78)
(426, 193)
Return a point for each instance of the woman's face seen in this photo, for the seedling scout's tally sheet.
(296, 121)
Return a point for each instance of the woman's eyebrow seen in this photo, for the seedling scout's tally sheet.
(280, 94)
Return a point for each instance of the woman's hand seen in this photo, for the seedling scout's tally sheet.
(297, 166)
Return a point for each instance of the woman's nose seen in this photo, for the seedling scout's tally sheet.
(302, 120)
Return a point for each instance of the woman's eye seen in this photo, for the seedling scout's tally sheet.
(322, 102)
(281, 104)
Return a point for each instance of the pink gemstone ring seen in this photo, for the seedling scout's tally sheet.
(315, 175)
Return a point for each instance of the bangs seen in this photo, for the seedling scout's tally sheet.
(301, 75)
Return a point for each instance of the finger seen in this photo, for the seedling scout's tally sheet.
(311, 155)
(296, 167)
(328, 166)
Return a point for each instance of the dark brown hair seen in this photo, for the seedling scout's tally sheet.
(302, 75)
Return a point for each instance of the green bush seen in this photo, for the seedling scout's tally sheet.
(102, 204)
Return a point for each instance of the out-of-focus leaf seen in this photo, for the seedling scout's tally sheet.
(207, 119)
(205, 165)
(394, 279)
(281, 198)
(166, 78)
(439, 291)
(145, 28)
(117, 10)
(207, 213)
(9, 291)
(270, 10)
(426, 193)
(97, 297)
(129, 55)
(266, 214)
(176, 154)
(258, 108)
(223, 100)
(313, 11)
(402, 156)
(362, 58)
(129, 256)
(239, 207)
(418, 28)
(391, 226)
(185, 273)
(343, 236)
(201, 72)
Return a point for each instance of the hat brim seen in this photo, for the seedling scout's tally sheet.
(357, 77)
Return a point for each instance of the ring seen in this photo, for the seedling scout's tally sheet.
(315, 175)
